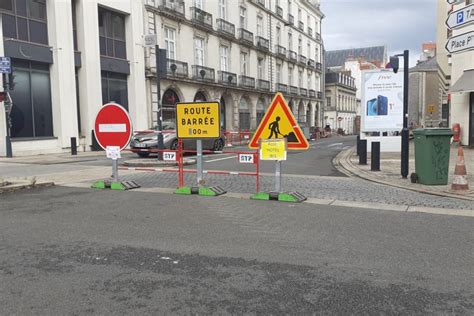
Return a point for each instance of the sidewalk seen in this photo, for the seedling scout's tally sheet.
(348, 162)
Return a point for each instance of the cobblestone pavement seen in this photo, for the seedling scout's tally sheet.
(347, 189)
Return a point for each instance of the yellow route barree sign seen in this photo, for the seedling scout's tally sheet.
(273, 149)
(197, 120)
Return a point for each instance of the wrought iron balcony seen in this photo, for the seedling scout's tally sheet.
(311, 63)
(312, 93)
(310, 31)
(202, 73)
(246, 82)
(301, 25)
(263, 85)
(291, 19)
(225, 28)
(320, 95)
(293, 90)
(263, 43)
(317, 36)
(177, 69)
(246, 37)
(292, 56)
(303, 92)
(319, 67)
(227, 78)
(201, 18)
(172, 6)
(261, 2)
(280, 87)
(280, 51)
(279, 11)
(303, 60)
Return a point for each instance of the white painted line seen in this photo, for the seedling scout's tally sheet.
(442, 211)
(335, 144)
(219, 159)
(112, 128)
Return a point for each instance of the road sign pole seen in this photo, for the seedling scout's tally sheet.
(159, 114)
(405, 132)
(8, 120)
(115, 170)
(278, 176)
(199, 161)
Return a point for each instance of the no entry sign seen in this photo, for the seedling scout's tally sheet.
(112, 126)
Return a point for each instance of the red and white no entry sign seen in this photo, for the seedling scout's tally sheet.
(112, 126)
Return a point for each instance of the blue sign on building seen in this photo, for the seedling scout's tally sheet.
(5, 65)
(460, 17)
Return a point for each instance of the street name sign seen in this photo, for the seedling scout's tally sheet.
(279, 122)
(113, 152)
(149, 40)
(273, 149)
(460, 43)
(454, 1)
(5, 65)
(197, 120)
(112, 126)
(461, 17)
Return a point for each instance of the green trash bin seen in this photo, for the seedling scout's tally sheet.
(432, 147)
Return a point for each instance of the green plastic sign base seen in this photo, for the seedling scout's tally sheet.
(293, 197)
(203, 191)
(183, 191)
(260, 196)
(99, 185)
(119, 186)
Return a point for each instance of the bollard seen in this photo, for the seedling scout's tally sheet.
(73, 146)
(375, 157)
(358, 145)
(363, 152)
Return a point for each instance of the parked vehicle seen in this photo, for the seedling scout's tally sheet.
(149, 140)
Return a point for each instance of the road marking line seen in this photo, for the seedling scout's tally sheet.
(219, 159)
(335, 144)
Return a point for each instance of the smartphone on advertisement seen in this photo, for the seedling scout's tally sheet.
(382, 105)
(372, 107)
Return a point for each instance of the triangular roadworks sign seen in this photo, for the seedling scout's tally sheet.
(279, 122)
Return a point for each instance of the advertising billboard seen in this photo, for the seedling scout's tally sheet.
(382, 101)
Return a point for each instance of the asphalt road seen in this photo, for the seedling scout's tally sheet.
(79, 251)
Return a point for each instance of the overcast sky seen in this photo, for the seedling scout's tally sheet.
(398, 24)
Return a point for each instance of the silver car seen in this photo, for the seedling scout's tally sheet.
(149, 140)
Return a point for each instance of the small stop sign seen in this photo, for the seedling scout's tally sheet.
(112, 126)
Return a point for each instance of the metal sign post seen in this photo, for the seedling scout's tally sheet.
(199, 162)
(278, 176)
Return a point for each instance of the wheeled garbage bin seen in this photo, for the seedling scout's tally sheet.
(432, 147)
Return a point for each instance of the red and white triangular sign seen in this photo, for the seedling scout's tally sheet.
(279, 122)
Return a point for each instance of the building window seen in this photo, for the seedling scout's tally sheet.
(278, 73)
(328, 102)
(309, 50)
(260, 110)
(224, 58)
(244, 63)
(259, 25)
(74, 24)
(223, 9)
(244, 114)
(199, 51)
(112, 34)
(308, 20)
(114, 88)
(290, 76)
(290, 41)
(170, 42)
(310, 83)
(300, 46)
(289, 6)
(25, 21)
(316, 57)
(199, 4)
(300, 79)
(168, 102)
(278, 35)
(299, 15)
(243, 18)
(32, 111)
(260, 68)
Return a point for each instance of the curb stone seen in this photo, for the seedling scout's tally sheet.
(12, 187)
(342, 163)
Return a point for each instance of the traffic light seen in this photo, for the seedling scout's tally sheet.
(394, 63)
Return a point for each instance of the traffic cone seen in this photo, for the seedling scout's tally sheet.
(460, 175)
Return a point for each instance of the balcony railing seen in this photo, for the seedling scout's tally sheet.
(303, 92)
(310, 31)
(263, 85)
(172, 6)
(225, 28)
(280, 51)
(292, 56)
(175, 68)
(319, 67)
(202, 73)
(280, 87)
(246, 82)
(312, 93)
(201, 17)
(320, 95)
(279, 11)
(317, 36)
(291, 19)
(303, 60)
(293, 90)
(263, 43)
(311, 63)
(261, 2)
(301, 25)
(227, 78)
(246, 37)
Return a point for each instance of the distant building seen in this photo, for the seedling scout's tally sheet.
(341, 101)
(428, 51)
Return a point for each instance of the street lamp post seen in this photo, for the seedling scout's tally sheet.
(405, 133)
